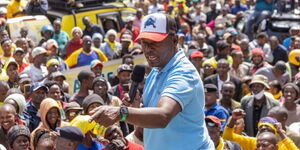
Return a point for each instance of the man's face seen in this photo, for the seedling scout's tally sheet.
(3, 92)
(129, 61)
(21, 143)
(274, 44)
(12, 72)
(4, 35)
(53, 68)
(238, 58)
(86, 21)
(89, 81)
(7, 117)
(124, 77)
(184, 28)
(87, 43)
(42, 58)
(158, 53)
(47, 34)
(54, 92)
(256, 87)
(18, 56)
(210, 98)
(97, 70)
(100, 88)
(237, 2)
(227, 91)
(264, 143)
(38, 96)
(257, 60)
(214, 132)
(196, 62)
(125, 44)
(97, 42)
(222, 68)
(265, 128)
(224, 53)
(6, 46)
(64, 144)
(57, 25)
(23, 33)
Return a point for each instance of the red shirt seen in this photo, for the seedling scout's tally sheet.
(22, 67)
(73, 46)
(133, 146)
(135, 32)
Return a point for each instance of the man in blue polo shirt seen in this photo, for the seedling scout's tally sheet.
(173, 113)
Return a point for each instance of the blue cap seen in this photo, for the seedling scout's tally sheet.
(47, 28)
(70, 133)
(37, 85)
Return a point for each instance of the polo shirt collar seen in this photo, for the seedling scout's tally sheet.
(176, 58)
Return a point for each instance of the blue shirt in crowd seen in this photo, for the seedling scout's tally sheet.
(220, 112)
(235, 9)
(263, 5)
(180, 81)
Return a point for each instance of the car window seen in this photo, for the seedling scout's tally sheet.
(109, 21)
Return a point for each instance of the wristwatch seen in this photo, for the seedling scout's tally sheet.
(123, 112)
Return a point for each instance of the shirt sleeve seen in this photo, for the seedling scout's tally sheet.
(288, 144)
(9, 11)
(72, 60)
(247, 143)
(102, 56)
(180, 87)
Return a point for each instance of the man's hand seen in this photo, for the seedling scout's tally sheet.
(106, 115)
(279, 130)
(236, 115)
(136, 102)
(117, 144)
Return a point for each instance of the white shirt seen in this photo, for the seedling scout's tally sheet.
(197, 17)
(36, 74)
(295, 127)
(220, 83)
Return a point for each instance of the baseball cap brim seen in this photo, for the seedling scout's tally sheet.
(156, 37)
(98, 64)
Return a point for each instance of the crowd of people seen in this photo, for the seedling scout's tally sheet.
(248, 82)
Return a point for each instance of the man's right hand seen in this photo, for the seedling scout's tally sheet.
(238, 114)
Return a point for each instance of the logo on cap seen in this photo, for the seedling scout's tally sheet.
(150, 22)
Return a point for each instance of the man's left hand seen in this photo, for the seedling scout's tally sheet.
(106, 115)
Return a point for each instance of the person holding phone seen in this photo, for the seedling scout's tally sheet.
(123, 74)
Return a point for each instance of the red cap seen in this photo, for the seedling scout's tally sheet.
(197, 54)
(257, 52)
(214, 119)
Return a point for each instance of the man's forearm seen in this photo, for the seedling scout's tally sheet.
(149, 117)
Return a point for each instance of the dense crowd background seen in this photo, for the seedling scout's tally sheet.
(251, 79)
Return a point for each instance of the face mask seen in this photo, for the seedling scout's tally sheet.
(219, 32)
(259, 95)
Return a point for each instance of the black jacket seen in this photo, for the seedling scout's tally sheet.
(213, 79)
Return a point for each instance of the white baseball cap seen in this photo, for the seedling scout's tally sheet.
(156, 27)
(37, 51)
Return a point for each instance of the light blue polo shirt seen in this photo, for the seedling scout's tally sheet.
(179, 80)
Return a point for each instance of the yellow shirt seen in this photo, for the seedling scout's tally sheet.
(249, 143)
(15, 7)
(77, 60)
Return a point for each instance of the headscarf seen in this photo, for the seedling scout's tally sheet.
(112, 45)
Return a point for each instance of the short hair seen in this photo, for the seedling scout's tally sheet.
(273, 137)
(221, 45)
(276, 84)
(41, 135)
(84, 74)
(278, 110)
(228, 82)
(125, 57)
(262, 35)
(281, 66)
(236, 52)
(49, 84)
(223, 61)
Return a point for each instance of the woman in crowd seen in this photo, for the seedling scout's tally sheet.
(75, 43)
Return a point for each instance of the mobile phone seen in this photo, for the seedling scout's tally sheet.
(125, 88)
